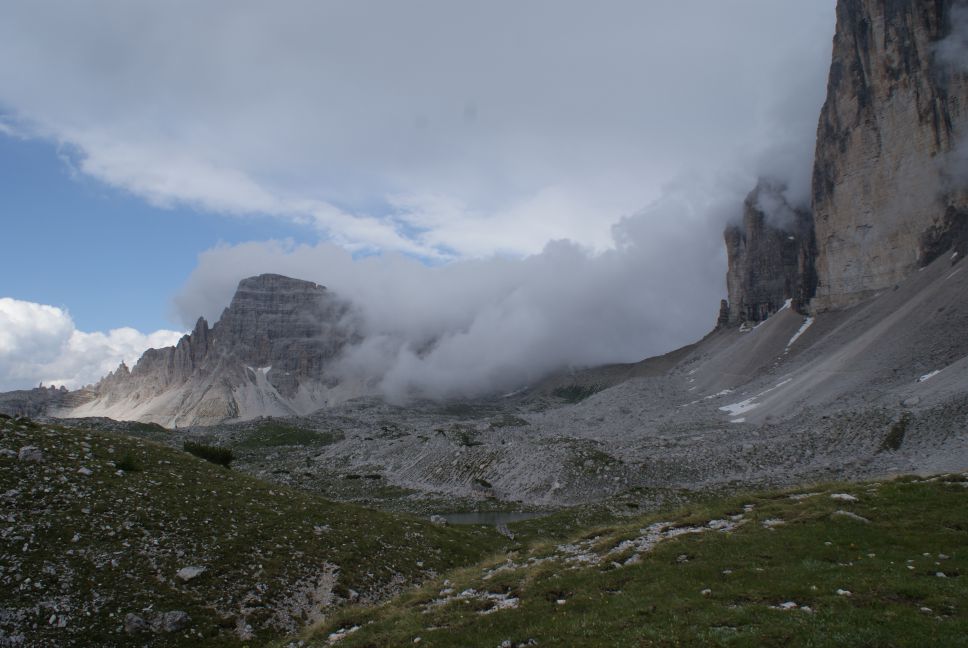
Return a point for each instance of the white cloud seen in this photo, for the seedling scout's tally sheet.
(472, 327)
(39, 343)
(434, 128)
(952, 51)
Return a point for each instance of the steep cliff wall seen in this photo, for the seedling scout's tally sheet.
(770, 256)
(884, 198)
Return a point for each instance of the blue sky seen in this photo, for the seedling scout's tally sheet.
(108, 257)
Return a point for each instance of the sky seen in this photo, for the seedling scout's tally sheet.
(520, 185)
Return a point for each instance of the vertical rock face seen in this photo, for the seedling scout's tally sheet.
(885, 196)
(770, 256)
(292, 327)
(269, 354)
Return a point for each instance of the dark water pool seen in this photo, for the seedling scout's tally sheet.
(491, 518)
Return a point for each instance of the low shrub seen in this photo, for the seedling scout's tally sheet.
(215, 454)
(128, 463)
(575, 393)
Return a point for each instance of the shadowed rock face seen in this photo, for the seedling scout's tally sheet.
(267, 355)
(884, 200)
(295, 327)
(770, 256)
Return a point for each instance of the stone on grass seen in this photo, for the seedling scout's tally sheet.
(171, 621)
(134, 624)
(31, 454)
(843, 497)
(188, 573)
(850, 516)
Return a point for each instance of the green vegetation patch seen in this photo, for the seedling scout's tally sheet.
(84, 545)
(877, 564)
(215, 454)
(272, 434)
(575, 393)
(895, 434)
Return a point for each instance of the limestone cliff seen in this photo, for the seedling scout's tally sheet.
(770, 256)
(884, 202)
(890, 177)
(268, 354)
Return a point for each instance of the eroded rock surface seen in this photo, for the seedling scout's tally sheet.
(267, 355)
(887, 194)
(771, 254)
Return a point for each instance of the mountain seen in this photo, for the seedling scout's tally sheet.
(889, 193)
(887, 202)
(771, 256)
(267, 355)
(884, 199)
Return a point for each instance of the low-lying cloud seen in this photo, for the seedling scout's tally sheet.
(480, 326)
(40, 344)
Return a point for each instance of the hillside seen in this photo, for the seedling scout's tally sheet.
(110, 540)
(874, 564)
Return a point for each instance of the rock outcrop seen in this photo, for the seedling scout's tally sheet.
(890, 177)
(770, 256)
(886, 198)
(269, 354)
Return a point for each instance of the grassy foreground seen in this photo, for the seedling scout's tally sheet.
(110, 540)
(97, 528)
(876, 564)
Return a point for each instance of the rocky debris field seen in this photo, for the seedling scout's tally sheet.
(878, 389)
(113, 540)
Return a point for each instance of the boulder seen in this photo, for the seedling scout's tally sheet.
(31, 454)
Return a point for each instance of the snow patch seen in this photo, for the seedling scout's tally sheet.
(746, 405)
(803, 329)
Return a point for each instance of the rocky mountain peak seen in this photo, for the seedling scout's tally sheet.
(269, 354)
(770, 254)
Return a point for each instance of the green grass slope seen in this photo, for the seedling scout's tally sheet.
(876, 564)
(93, 538)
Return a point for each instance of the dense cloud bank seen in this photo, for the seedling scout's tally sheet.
(445, 130)
(480, 326)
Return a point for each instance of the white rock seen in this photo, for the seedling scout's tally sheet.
(188, 573)
(849, 515)
(843, 592)
(843, 497)
(84, 471)
(31, 454)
